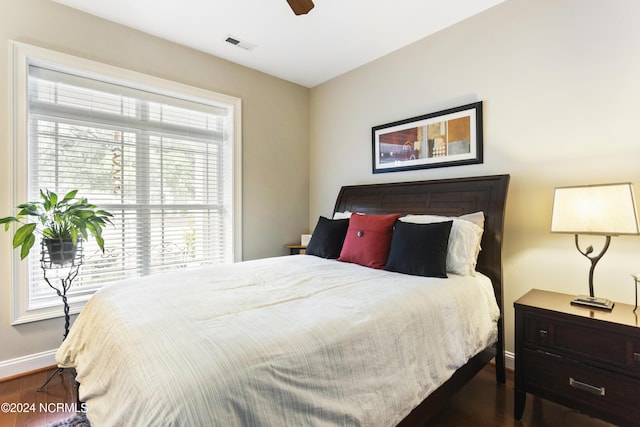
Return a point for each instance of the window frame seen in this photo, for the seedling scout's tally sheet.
(22, 55)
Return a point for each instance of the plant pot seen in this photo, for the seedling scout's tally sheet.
(61, 251)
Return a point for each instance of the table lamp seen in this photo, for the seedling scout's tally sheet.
(606, 210)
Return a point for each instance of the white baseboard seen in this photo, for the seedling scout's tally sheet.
(509, 360)
(31, 362)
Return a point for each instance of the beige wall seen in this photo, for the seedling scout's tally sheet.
(560, 82)
(275, 131)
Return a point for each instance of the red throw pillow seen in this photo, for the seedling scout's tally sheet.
(368, 240)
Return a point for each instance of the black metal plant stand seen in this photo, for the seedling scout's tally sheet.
(64, 272)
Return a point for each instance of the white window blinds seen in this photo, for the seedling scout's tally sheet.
(162, 165)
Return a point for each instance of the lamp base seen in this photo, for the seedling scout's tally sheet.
(593, 302)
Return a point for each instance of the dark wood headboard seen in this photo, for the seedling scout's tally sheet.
(451, 197)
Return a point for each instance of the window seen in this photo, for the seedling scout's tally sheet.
(162, 161)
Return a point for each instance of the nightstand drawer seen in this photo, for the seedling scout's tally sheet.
(585, 341)
(587, 388)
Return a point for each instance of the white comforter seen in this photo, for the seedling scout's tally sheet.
(295, 340)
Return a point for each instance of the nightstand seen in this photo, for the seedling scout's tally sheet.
(296, 249)
(582, 358)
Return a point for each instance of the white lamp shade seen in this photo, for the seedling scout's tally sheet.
(607, 209)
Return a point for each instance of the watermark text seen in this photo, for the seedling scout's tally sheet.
(52, 407)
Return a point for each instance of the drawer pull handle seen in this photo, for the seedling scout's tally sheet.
(544, 334)
(636, 357)
(598, 391)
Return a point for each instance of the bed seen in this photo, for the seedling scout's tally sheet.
(344, 344)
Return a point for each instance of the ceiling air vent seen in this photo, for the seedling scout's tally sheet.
(240, 43)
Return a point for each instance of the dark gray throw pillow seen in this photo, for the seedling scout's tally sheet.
(328, 237)
(420, 249)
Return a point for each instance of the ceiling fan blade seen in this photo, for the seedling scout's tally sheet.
(301, 7)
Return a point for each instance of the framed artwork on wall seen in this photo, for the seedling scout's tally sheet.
(450, 137)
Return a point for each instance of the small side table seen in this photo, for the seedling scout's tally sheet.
(296, 249)
(582, 358)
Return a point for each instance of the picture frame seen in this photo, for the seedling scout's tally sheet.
(451, 137)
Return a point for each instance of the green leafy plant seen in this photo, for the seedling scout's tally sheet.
(66, 218)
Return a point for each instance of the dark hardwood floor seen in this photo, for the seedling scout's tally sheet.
(30, 408)
(481, 403)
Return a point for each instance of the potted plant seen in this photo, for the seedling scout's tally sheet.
(60, 222)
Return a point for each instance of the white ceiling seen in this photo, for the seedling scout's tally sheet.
(335, 37)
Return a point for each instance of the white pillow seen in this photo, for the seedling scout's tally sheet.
(464, 240)
(477, 218)
(342, 215)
